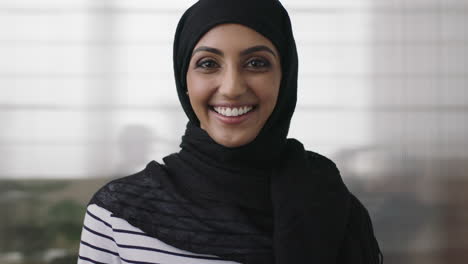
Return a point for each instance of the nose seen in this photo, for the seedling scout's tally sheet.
(232, 84)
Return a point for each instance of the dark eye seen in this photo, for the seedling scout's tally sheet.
(207, 64)
(258, 63)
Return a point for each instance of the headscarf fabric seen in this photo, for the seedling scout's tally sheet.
(267, 202)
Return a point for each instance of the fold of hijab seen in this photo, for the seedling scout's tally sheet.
(269, 201)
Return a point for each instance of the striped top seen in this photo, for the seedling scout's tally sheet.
(111, 240)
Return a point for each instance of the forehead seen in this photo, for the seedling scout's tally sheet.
(233, 36)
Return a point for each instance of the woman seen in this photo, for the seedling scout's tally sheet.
(238, 191)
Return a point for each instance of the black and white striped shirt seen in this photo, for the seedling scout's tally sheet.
(111, 240)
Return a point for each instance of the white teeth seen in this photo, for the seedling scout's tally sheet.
(227, 111)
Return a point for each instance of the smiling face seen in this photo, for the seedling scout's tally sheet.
(233, 82)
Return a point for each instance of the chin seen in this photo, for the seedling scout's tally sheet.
(233, 142)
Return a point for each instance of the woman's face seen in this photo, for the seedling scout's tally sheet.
(233, 82)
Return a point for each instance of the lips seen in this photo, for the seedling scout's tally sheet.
(233, 114)
(233, 111)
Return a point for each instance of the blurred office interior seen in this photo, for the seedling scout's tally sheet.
(87, 95)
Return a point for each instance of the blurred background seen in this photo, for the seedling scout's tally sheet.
(87, 95)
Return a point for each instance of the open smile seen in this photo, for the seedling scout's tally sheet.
(232, 114)
(232, 111)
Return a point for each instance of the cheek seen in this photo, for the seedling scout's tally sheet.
(200, 87)
(266, 88)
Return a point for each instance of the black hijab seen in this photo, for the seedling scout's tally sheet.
(269, 201)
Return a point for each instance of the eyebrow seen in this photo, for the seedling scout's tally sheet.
(243, 53)
(205, 48)
(257, 48)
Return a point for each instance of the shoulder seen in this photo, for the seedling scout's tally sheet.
(360, 244)
(320, 163)
(357, 209)
(100, 219)
(134, 185)
(107, 238)
(326, 164)
(97, 216)
(321, 160)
